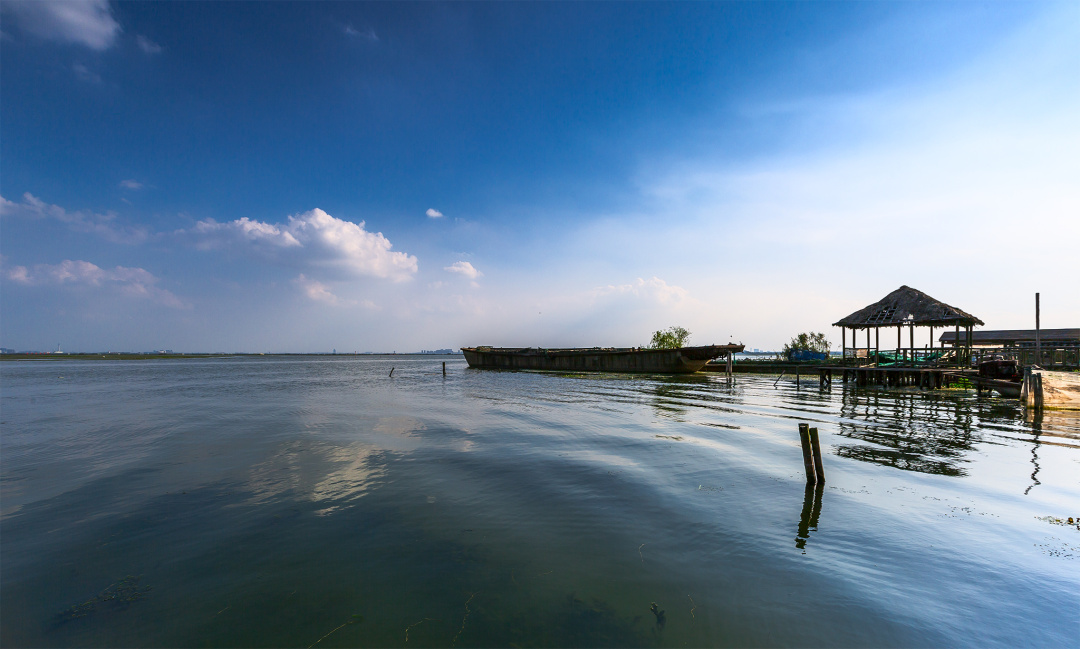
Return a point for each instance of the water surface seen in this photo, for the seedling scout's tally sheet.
(292, 501)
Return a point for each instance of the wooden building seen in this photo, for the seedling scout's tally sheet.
(906, 308)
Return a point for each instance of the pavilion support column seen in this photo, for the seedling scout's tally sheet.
(911, 339)
(898, 329)
(843, 343)
(956, 344)
(877, 343)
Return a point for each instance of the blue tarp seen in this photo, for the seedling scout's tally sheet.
(806, 355)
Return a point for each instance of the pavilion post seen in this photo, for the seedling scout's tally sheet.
(843, 344)
(956, 344)
(911, 339)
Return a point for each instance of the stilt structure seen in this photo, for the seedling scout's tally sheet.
(907, 307)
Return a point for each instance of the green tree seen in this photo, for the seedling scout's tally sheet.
(809, 341)
(670, 338)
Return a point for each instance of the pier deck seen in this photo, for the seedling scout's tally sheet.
(930, 378)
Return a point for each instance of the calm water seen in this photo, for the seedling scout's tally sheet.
(297, 501)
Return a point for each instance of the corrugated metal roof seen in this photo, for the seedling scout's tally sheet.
(1005, 336)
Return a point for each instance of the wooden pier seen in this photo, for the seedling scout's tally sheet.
(929, 378)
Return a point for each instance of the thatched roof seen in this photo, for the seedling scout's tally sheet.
(894, 308)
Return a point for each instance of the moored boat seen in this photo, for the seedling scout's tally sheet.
(681, 360)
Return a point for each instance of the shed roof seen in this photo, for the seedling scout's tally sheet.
(894, 308)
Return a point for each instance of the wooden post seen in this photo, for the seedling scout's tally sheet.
(807, 454)
(819, 467)
(796, 377)
(1038, 334)
(444, 368)
(956, 345)
(843, 343)
(899, 328)
(931, 337)
(391, 372)
(730, 369)
(911, 340)
(877, 343)
(868, 344)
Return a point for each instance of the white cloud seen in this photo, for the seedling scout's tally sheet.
(134, 282)
(84, 73)
(655, 290)
(148, 46)
(317, 291)
(131, 184)
(314, 239)
(102, 225)
(367, 34)
(463, 268)
(434, 213)
(83, 22)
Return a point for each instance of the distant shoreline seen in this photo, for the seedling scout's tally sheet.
(125, 356)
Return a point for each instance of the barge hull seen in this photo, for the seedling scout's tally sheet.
(661, 361)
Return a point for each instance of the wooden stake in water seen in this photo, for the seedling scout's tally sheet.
(444, 368)
(815, 448)
(807, 454)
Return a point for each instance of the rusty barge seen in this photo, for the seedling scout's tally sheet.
(683, 360)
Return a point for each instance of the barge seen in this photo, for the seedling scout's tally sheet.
(682, 360)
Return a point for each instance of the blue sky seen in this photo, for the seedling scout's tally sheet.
(207, 176)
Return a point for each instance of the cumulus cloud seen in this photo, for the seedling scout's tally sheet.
(434, 213)
(83, 22)
(313, 238)
(317, 291)
(134, 282)
(463, 268)
(103, 225)
(654, 289)
(148, 46)
(131, 184)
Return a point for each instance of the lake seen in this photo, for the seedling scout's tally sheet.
(299, 501)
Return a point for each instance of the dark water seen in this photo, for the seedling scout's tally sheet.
(298, 501)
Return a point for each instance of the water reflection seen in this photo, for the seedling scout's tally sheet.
(810, 512)
(910, 432)
(330, 475)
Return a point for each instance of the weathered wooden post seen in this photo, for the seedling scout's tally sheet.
(796, 377)
(807, 454)
(444, 368)
(1038, 334)
(819, 467)
(391, 372)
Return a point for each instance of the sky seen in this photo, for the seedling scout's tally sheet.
(305, 177)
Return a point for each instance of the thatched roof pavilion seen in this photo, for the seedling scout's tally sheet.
(906, 307)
